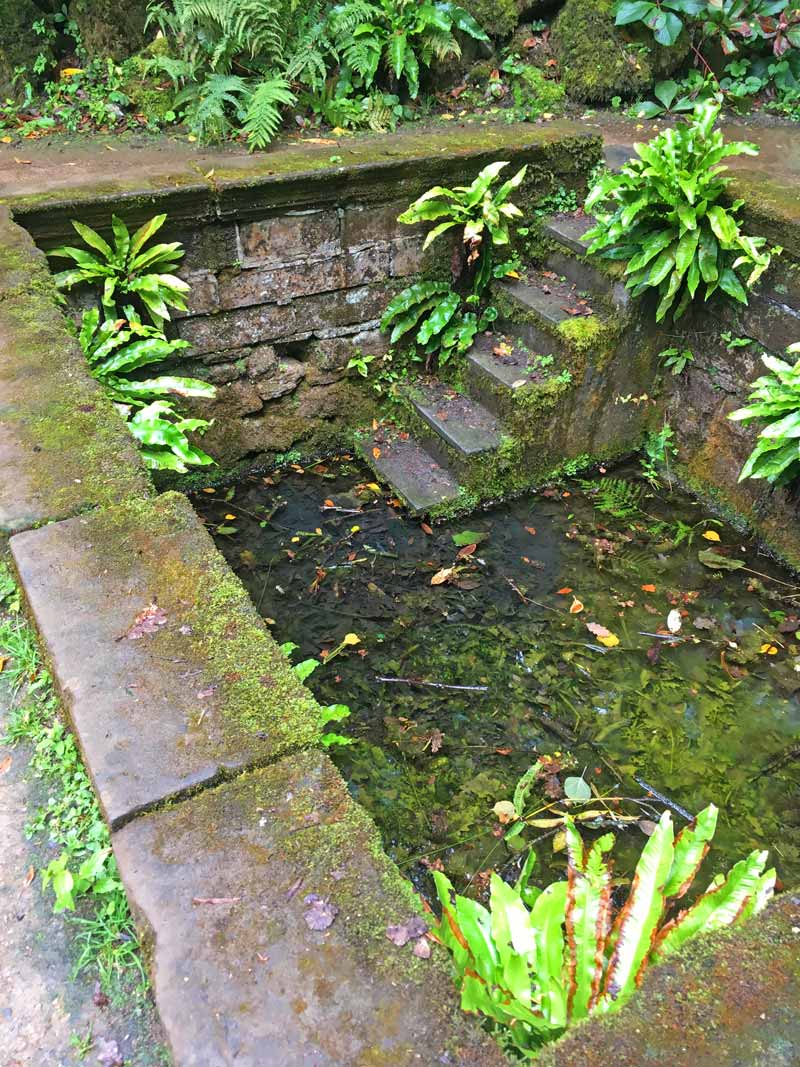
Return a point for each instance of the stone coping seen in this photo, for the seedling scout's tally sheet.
(63, 448)
(205, 694)
(296, 176)
(223, 885)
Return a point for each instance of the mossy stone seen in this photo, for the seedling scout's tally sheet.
(110, 27)
(497, 17)
(599, 60)
(19, 44)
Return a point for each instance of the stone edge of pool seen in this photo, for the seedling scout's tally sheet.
(233, 831)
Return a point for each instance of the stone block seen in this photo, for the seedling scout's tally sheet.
(208, 248)
(368, 224)
(371, 342)
(371, 264)
(204, 691)
(343, 308)
(222, 886)
(263, 359)
(203, 298)
(282, 285)
(241, 397)
(284, 379)
(408, 257)
(276, 241)
(230, 330)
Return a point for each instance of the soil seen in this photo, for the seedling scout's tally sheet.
(42, 1007)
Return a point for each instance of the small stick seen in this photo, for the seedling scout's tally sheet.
(664, 800)
(435, 685)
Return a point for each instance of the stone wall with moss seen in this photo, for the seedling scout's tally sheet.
(292, 267)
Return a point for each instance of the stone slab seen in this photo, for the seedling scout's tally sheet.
(413, 474)
(728, 1000)
(206, 694)
(218, 885)
(63, 448)
(462, 423)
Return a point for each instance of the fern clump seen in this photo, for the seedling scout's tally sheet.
(614, 496)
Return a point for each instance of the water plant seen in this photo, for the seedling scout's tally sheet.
(537, 960)
(663, 215)
(126, 269)
(775, 398)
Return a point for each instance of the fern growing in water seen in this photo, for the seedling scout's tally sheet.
(614, 496)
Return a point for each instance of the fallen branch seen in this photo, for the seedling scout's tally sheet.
(663, 799)
(434, 685)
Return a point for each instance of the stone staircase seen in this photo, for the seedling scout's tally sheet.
(532, 343)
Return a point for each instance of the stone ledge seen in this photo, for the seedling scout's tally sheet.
(247, 982)
(728, 1000)
(205, 695)
(63, 448)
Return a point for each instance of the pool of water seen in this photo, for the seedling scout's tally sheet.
(613, 628)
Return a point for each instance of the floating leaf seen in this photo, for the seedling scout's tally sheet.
(565, 591)
(531, 530)
(711, 535)
(319, 913)
(442, 576)
(768, 649)
(576, 606)
(709, 558)
(577, 789)
(466, 551)
(469, 537)
(505, 811)
(648, 588)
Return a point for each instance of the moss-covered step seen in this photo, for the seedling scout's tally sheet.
(453, 425)
(416, 477)
(167, 671)
(63, 448)
(727, 1000)
(265, 904)
(564, 236)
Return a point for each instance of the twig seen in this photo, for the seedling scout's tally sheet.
(435, 685)
(664, 800)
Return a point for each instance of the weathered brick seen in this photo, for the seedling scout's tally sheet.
(347, 307)
(208, 248)
(203, 297)
(408, 257)
(239, 328)
(262, 360)
(369, 224)
(284, 379)
(279, 286)
(279, 240)
(367, 265)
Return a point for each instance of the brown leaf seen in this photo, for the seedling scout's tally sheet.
(5, 764)
(147, 621)
(437, 737)
(565, 591)
(376, 453)
(319, 913)
(467, 550)
(422, 949)
(442, 576)
(99, 998)
(647, 826)
(531, 530)
(425, 528)
(576, 606)
(30, 875)
(649, 588)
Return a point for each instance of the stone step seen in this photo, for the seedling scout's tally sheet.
(402, 463)
(463, 424)
(265, 902)
(498, 364)
(568, 230)
(168, 674)
(549, 307)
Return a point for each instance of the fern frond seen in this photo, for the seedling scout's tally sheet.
(204, 104)
(614, 496)
(263, 116)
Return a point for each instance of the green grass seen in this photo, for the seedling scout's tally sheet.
(84, 879)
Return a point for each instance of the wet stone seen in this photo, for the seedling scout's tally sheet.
(267, 900)
(284, 379)
(207, 692)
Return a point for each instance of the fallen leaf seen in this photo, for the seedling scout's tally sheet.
(647, 826)
(442, 576)
(505, 811)
(319, 913)
(648, 588)
(426, 529)
(437, 737)
(24, 162)
(216, 900)
(469, 537)
(674, 621)
(99, 998)
(560, 841)
(5, 764)
(412, 929)
(147, 621)
(466, 551)
(702, 622)
(376, 453)
(709, 558)
(30, 875)
(711, 535)
(604, 636)
(576, 606)
(768, 649)
(531, 530)
(565, 591)
(109, 1053)
(504, 751)
(422, 949)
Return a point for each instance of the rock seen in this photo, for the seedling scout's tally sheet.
(595, 57)
(263, 359)
(112, 28)
(283, 380)
(236, 399)
(19, 45)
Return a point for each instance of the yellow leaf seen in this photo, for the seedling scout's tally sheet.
(611, 641)
(442, 576)
(354, 529)
(191, 138)
(229, 516)
(70, 72)
(374, 487)
(351, 639)
(6, 139)
(711, 535)
(560, 841)
(318, 532)
(505, 811)
(768, 649)
(512, 274)
(576, 606)
(295, 540)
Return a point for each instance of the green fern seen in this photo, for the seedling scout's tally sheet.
(614, 496)
(263, 116)
(206, 104)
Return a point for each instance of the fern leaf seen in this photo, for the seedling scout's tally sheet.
(263, 115)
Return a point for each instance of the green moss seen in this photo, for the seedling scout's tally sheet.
(599, 60)
(19, 45)
(497, 17)
(110, 27)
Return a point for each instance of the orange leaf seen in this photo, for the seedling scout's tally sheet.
(565, 591)
(530, 530)
(329, 503)
(648, 588)
(576, 606)
(376, 453)
(425, 528)
(467, 550)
